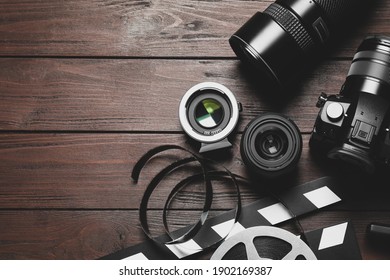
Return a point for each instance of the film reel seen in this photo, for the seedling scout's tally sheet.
(298, 248)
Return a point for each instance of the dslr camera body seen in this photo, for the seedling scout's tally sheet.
(354, 126)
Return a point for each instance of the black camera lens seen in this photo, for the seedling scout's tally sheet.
(271, 145)
(369, 71)
(284, 38)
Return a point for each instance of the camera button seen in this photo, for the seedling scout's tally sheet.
(335, 111)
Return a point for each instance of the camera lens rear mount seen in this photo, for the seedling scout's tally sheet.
(271, 145)
(208, 113)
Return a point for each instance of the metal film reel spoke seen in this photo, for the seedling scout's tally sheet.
(247, 237)
(251, 249)
(293, 254)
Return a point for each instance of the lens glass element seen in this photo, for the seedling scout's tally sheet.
(271, 144)
(209, 113)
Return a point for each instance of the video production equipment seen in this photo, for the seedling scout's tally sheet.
(354, 126)
(279, 43)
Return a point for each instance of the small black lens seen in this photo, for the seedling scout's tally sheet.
(271, 145)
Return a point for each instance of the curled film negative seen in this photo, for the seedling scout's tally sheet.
(301, 200)
(248, 245)
(206, 174)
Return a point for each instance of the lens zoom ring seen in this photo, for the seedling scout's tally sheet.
(292, 25)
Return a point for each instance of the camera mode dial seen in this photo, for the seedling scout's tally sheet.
(335, 111)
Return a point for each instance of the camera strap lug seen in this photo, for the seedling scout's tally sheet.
(321, 100)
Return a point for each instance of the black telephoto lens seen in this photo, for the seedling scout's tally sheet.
(280, 41)
(271, 145)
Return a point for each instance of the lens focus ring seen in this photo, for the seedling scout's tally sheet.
(291, 24)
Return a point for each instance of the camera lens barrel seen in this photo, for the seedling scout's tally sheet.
(288, 34)
(370, 68)
(271, 145)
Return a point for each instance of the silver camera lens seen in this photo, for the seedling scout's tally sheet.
(208, 113)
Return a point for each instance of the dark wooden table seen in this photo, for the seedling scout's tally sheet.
(86, 87)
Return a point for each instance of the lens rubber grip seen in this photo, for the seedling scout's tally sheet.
(337, 10)
(291, 24)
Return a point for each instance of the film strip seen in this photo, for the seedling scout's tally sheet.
(299, 200)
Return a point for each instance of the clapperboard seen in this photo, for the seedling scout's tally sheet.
(330, 242)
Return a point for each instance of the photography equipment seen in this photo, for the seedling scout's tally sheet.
(354, 126)
(283, 39)
(271, 145)
(290, 247)
(208, 113)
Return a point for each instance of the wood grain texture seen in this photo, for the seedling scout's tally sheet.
(142, 28)
(93, 171)
(87, 87)
(141, 95)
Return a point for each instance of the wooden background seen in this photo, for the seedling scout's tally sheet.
(86, 87)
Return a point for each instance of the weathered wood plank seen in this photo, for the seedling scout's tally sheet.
(92, 171)
(141, 95)
(142, 28)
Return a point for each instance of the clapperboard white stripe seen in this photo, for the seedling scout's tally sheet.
(185, 249)
(333, 236)
(138, 256)
(300, 200)
(225, 229)
(276, 213)
(322, 197)
(336, 242)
